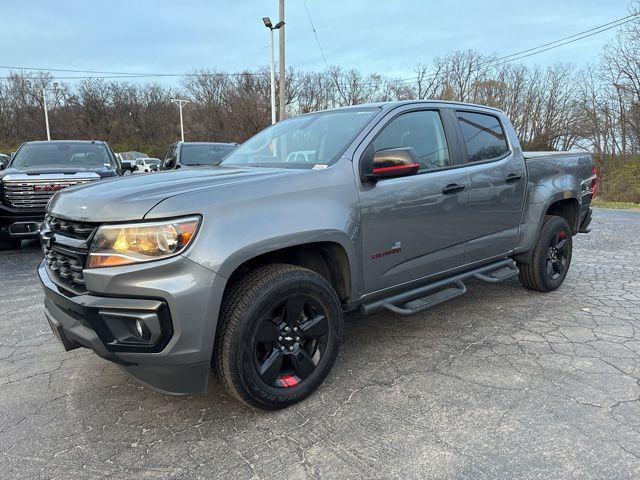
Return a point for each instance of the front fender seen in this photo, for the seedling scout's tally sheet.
(243, 221)
(264, 246)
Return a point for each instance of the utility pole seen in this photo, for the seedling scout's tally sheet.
(181, 103)
(283, 114)
(273, 79)
(46, 110)
(271, 27)
(46, 114)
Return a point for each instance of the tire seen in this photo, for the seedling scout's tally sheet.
(10, 244)
(549, 267)
(255, 357)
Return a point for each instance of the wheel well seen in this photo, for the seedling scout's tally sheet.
(567, 209)
(325, 258)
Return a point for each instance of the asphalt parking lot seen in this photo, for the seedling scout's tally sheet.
(501, 383)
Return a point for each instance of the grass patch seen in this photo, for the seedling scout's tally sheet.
(621, 205)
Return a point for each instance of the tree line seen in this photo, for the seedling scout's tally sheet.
(559, 107)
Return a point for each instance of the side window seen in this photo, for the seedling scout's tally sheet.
(483, 136)
(422, 131)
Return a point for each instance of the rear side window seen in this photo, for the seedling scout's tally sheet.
(422, 131)
(483, 136)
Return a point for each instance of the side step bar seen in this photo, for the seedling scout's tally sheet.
(420, 298)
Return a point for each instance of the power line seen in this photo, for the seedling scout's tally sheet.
(123, 74)
(557, 45)
(498, 61)
(632, 16)
(304, 2)
(549, 46)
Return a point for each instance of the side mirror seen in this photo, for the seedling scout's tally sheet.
(392, 163)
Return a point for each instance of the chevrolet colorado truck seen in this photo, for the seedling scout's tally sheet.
(36, 172)
(247, 268)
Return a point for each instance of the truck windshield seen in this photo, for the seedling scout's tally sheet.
(303, 142)
(203, 154)
(67, 154)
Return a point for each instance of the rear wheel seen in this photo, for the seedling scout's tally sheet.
(10, 244)
(551, 256)
(278, 337)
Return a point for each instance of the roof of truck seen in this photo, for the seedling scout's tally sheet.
(399, 103)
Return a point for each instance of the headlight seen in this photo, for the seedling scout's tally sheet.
(116, 245)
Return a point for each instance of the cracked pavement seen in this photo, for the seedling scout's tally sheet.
(500, 383)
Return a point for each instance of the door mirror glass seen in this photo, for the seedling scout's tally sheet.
(392, 163)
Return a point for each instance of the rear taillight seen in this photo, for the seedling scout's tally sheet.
(594, 181)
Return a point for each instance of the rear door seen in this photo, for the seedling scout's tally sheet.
(496, 185)
(414, 226)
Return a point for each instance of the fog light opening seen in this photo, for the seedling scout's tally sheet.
(141, 330)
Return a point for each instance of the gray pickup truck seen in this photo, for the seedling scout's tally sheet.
(249, 267)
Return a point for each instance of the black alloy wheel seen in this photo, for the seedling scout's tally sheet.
(551, 256)
(290, 341)
(278, 335)
(557, 254)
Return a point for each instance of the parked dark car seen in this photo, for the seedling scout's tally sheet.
(196, 154)
(36, 172)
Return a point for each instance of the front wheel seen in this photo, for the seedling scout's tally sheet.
(551, 256)
(279, 333)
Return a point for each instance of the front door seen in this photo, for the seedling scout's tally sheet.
(415, 226)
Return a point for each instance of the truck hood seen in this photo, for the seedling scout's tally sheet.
(130, 198)
(35, 171)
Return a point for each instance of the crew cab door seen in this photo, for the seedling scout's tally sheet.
(497, 185)
(414, 226)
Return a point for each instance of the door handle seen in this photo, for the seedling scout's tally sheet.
(512, 178)
(452, 188)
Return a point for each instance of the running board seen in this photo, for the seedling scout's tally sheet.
(420, 299)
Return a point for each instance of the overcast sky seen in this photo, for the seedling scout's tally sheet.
(389, 36)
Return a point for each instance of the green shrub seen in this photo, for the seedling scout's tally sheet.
(620, 180)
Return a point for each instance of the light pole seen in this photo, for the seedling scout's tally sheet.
(44, 102)
(283, 112)
(181, 103)
(271, 27)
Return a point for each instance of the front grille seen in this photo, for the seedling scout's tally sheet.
(67, 251)
(34, 194)
(66, 267)
(72, 228)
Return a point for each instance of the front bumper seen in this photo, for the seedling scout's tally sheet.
(177, 298)
(18, 224)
